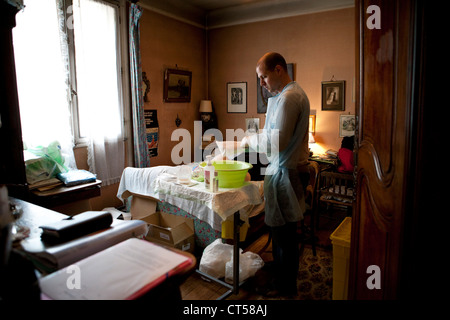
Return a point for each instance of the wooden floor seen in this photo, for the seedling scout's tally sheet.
(198, 288)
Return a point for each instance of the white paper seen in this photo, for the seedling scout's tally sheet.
(113, 274)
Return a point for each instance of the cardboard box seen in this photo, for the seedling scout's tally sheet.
(168, 229)
(163, 228)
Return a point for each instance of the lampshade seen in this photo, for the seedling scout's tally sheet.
(311, 138)
(205, 106)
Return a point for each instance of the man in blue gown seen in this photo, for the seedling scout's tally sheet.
(285, 141)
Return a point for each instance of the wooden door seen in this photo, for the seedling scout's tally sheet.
(12, 167)
(388, 66)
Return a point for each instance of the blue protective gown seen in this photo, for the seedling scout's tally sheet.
(285, 141)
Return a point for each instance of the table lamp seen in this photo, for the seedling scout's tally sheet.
(205, 110)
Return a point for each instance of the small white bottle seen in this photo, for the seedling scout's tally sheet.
(215, 184)
(208, 173)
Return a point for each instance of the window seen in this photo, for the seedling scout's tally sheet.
(69, 77)
(97, 60)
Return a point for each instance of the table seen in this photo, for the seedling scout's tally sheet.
(207, 206)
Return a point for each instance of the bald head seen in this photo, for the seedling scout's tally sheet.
(270, 60)
(272, 72)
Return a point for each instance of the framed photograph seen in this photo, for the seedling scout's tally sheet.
(177, 85)
(252, 125)
(333, 95)
(347, 125)
(237, 97)
(262, 95)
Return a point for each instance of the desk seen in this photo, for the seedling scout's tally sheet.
(324, 164)
(48, 258)
(33, 216)
(61, 196)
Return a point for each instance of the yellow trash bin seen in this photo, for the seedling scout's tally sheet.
(340, 240)
(228, 230)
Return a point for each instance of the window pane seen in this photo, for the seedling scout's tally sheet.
(96, 54)
(41, 79)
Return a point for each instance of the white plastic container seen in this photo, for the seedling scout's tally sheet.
(184, 174)
(208, 173)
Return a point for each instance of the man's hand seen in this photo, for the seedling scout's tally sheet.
(244, 142)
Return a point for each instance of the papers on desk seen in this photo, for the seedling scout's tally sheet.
(123, 271)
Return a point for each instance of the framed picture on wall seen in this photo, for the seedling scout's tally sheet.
(262, 95)
(347, 125)
(177, 85)
(237, 97)
(333, 95)
(252, 125)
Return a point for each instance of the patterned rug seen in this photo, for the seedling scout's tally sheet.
(315, 276)
(314, 280)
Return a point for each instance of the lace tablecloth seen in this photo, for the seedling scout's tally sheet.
(213, 208)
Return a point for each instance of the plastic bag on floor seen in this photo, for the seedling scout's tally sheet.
(214, 258)
(217, 261)
(249, 263)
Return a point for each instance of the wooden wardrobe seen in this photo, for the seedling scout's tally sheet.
(395, 101)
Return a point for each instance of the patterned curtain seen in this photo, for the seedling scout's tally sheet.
(141, 158)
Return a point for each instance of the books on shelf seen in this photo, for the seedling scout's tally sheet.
(51, 257)
(126, 270)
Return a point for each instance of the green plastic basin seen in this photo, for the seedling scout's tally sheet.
(231, 174)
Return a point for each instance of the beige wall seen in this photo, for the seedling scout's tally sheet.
(320, 46)
(167, 43)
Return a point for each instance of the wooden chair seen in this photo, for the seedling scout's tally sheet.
(308, 232)
(335, 189)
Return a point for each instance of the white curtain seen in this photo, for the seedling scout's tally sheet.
(41, 79)
(42, 66)
(98, 87)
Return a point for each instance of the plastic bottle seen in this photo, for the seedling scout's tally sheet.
(208, 173)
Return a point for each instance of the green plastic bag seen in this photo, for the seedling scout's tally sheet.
(42, 163)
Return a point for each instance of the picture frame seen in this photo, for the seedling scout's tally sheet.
(177, 85)
(262, 95)
(237, 97)
(333, 95)
(252, 125)
(347, 125)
